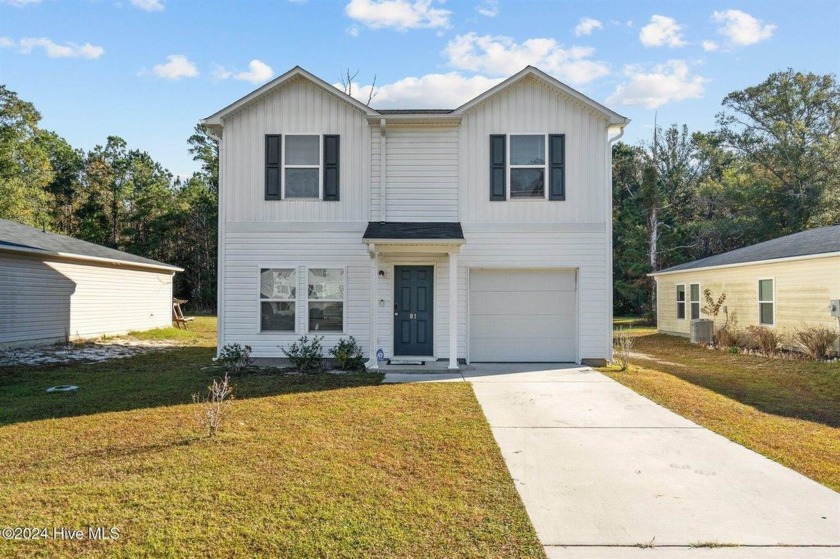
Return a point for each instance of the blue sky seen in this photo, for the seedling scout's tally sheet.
(148, 70)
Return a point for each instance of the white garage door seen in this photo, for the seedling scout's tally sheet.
(522, 315)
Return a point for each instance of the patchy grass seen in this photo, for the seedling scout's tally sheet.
(306, 466)
(201, 331)
(785, 410)
(633, 325)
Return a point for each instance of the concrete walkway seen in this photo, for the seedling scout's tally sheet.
(605, 473)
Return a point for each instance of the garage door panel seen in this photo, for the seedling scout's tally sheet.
(522, 315)
(529, 351)
(524, 280)
(493, 303)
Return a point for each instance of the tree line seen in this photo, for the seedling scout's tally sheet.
(113, 195)
(771, 167)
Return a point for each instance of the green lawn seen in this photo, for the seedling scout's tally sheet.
(785, 410)
(306, 466)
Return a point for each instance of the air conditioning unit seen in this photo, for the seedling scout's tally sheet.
(834, 306)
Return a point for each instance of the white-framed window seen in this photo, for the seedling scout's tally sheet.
(694, 299)
(681, 301)
(766, 302)
(325, 299)
(278, 299)
(302, 164)
(527, 170)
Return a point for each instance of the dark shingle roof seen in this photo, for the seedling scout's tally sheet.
(16, 236)
(413, 230)
(806, 243)
(415, 111)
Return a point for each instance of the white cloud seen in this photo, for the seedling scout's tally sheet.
(710, 46)
(19, 3)
(741, 28)
(53, 49)
(353, 31)
(399, 14)
(432, 91)
(176, 67)
(587, 25)
(502, 56)
(664, 83)
(662, 31)
(148, 5)
(258, 72)
(488, 8)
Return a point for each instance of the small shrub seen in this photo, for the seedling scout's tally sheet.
(763, 339)
(348, 355)
(622, 346)
(306, 355)
(729, 336)
(234, 357)
(817, 342)
(213, 409)
(712, 307)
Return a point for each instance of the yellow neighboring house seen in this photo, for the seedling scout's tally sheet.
(784, 283)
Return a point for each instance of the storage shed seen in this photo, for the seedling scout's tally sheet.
(55, 288)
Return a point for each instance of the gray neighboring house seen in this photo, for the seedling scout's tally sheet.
(55, 288)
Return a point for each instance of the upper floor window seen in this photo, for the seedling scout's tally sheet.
(302, 167)
(306, 167)
(527, 166)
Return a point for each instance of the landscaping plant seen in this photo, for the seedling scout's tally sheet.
(816, 341)
(212, 409)
(348, 355)
(306, 355)
(622, 346)
(234, 357)
(764, 340)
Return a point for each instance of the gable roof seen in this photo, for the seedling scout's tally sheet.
(215, 121)
(297, 72)
(824, 240)
(16, 237)
(530, 71)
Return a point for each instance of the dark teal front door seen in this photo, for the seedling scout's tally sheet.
(413, 310)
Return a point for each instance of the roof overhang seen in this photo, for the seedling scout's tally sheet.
(28, 251)
(743, 264)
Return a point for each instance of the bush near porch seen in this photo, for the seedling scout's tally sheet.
(306, 466)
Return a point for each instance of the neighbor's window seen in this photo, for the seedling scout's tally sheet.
(766, 302)
(527, 166)
(695, 300)
(278, 292)
(326, 299)
(302, 167)
(681, 301)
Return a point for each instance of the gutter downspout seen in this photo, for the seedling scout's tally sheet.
(383, 171)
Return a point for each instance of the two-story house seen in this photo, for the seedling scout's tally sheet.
(480, 234)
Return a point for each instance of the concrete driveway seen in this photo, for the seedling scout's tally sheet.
(605, 473)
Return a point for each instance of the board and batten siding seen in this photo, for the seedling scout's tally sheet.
(803, 289)
(297, 108)
(529, 107)
(422, 174)
(52, 301)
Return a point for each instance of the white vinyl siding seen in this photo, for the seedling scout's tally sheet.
(531, 108)
(522, 315)
(422, 174)
(52, 301)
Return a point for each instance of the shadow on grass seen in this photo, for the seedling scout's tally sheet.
(153, 379)
(799, 389)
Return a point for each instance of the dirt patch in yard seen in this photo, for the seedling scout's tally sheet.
(87, 352)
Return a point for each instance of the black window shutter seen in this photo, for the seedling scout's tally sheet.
(497, 167)
(331, 167)
(557, 167)
(273, 172)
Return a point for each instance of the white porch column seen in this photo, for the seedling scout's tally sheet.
(453, 310)
(373, 363)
